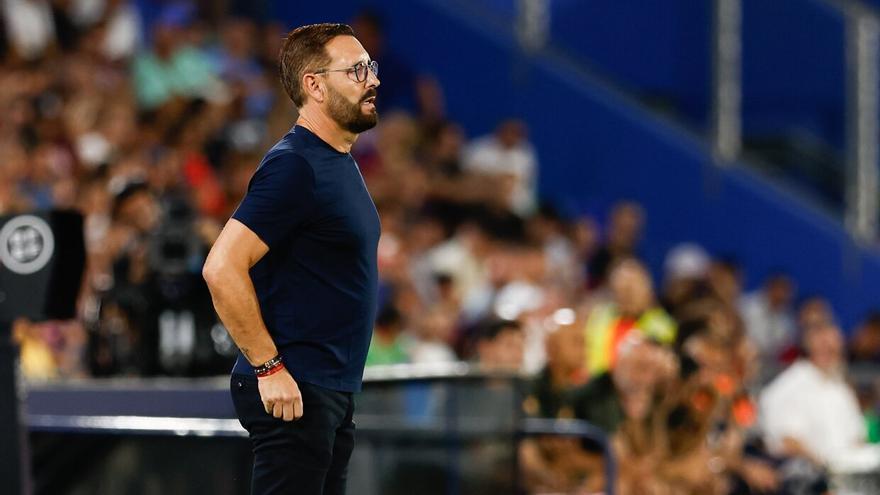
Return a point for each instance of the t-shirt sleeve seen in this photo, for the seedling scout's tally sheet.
(280, 198)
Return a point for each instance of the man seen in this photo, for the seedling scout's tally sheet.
(770, 322)
(627, 391)
(632, 310)
(565, 369)
(625, 225)
(387, 346)
(507, 157)
(810, 411)
(500, 346)
(294, 275)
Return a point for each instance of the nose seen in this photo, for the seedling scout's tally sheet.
(372, 79)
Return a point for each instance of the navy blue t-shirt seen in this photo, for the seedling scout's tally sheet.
(317, 285)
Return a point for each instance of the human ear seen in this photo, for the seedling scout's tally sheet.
(313, 87)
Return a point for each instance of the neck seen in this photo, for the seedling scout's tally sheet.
(829, 370)
(326, 128)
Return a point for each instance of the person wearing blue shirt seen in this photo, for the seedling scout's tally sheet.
(294, 274)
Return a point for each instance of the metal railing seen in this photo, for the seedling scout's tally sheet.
(450, 408)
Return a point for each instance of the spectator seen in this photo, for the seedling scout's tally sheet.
(621, 241)
(559, 464)
(549, 230)
(442, 150)
(29, 27)
(50, 349)
(584, 234)
(666, 410)
(124, 340)
(865, 344)
(509, 158)
(155, 316)
(550, 389)
(114, 26)
(387, 345)
(122, 34)
(453, 194)
(631, 310)
(172, 68)
(425, 233)
(685, 271)
(656, 431)
(500, 346)
(12, 175)
(525, 290)
(725, 281)
(810, 411)
(628, 390)
(434, 332)
(814, 310)
(770, 322)
(236, 63)
(464, 258)
(37, 360)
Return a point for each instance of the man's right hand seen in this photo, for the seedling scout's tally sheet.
(281, 396)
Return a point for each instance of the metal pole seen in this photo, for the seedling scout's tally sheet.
(862, 123)
(727, 83)
(453, 436)
(533, 24)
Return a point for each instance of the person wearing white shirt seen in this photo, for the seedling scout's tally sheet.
(29, 26)
(429, 343)
(770, 322)
(507, 154)
(810, 411)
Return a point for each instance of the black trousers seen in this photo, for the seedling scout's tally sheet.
(308, 456)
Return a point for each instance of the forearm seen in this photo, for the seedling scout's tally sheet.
(235, 301)
(794, 448)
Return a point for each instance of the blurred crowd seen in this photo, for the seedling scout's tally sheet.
(152, 131)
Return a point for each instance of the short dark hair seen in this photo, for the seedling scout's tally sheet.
(127, 191)
(304, 50)
(490, 329)
(388, 316)
(873, 318)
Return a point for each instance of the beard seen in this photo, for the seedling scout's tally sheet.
(350, 116)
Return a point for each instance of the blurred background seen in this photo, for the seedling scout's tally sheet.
(628, 246)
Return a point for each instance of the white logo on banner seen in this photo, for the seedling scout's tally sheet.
(26, 244)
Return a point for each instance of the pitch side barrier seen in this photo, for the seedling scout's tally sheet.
(453, 428)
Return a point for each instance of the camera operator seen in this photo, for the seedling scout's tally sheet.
(157, 318)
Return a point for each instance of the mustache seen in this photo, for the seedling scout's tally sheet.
(371, 93)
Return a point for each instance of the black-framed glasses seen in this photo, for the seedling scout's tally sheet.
(359, 70)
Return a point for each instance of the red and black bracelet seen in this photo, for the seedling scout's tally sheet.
(270, 367)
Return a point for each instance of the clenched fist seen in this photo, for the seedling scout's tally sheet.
(281, 396)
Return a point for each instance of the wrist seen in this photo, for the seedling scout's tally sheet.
(269, 368)
(271, 372)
